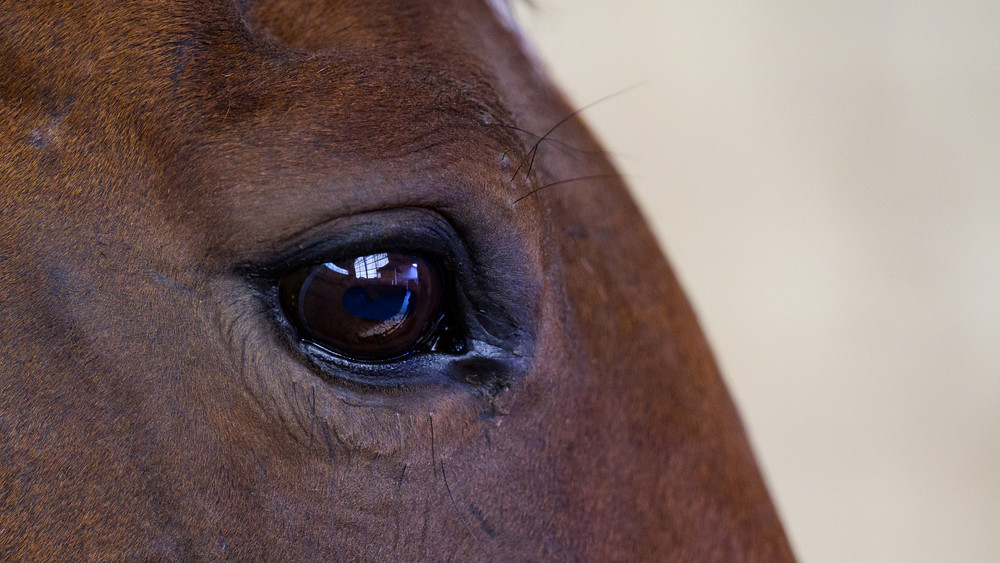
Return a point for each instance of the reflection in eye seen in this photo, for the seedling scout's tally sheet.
(368, 266)
(375, 307)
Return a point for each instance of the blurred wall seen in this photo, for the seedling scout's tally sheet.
(825, 177)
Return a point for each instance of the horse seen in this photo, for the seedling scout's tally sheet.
(322, 280)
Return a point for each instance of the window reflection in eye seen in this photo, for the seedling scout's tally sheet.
(376, 307)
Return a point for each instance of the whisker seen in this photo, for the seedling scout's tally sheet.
(433, 455)
(558, 142)
(312, 424)
(395, 509)
(371, 487)
(333, 508)
(578, 179)
(534, 148)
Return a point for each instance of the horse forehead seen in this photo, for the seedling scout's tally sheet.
(400, 59)
(258, 88)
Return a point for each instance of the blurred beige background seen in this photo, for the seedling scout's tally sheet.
(825, 177)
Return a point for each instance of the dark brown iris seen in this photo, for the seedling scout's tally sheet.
(376, 307)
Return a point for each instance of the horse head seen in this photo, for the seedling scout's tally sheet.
(311, 279)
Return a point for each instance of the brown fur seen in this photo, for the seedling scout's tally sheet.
(154, 152)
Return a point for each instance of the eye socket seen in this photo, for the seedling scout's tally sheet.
(374, 308)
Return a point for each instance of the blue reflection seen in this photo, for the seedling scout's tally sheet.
(377, 303)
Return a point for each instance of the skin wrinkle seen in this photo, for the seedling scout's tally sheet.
(155, 405)
(444, 477)
(396, 510)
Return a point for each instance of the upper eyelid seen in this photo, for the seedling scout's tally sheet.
(411, 229)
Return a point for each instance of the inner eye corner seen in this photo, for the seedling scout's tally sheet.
(374, 308)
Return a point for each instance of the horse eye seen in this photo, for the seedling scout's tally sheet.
(377, 307)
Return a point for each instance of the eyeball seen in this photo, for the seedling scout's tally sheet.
(375, 308)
